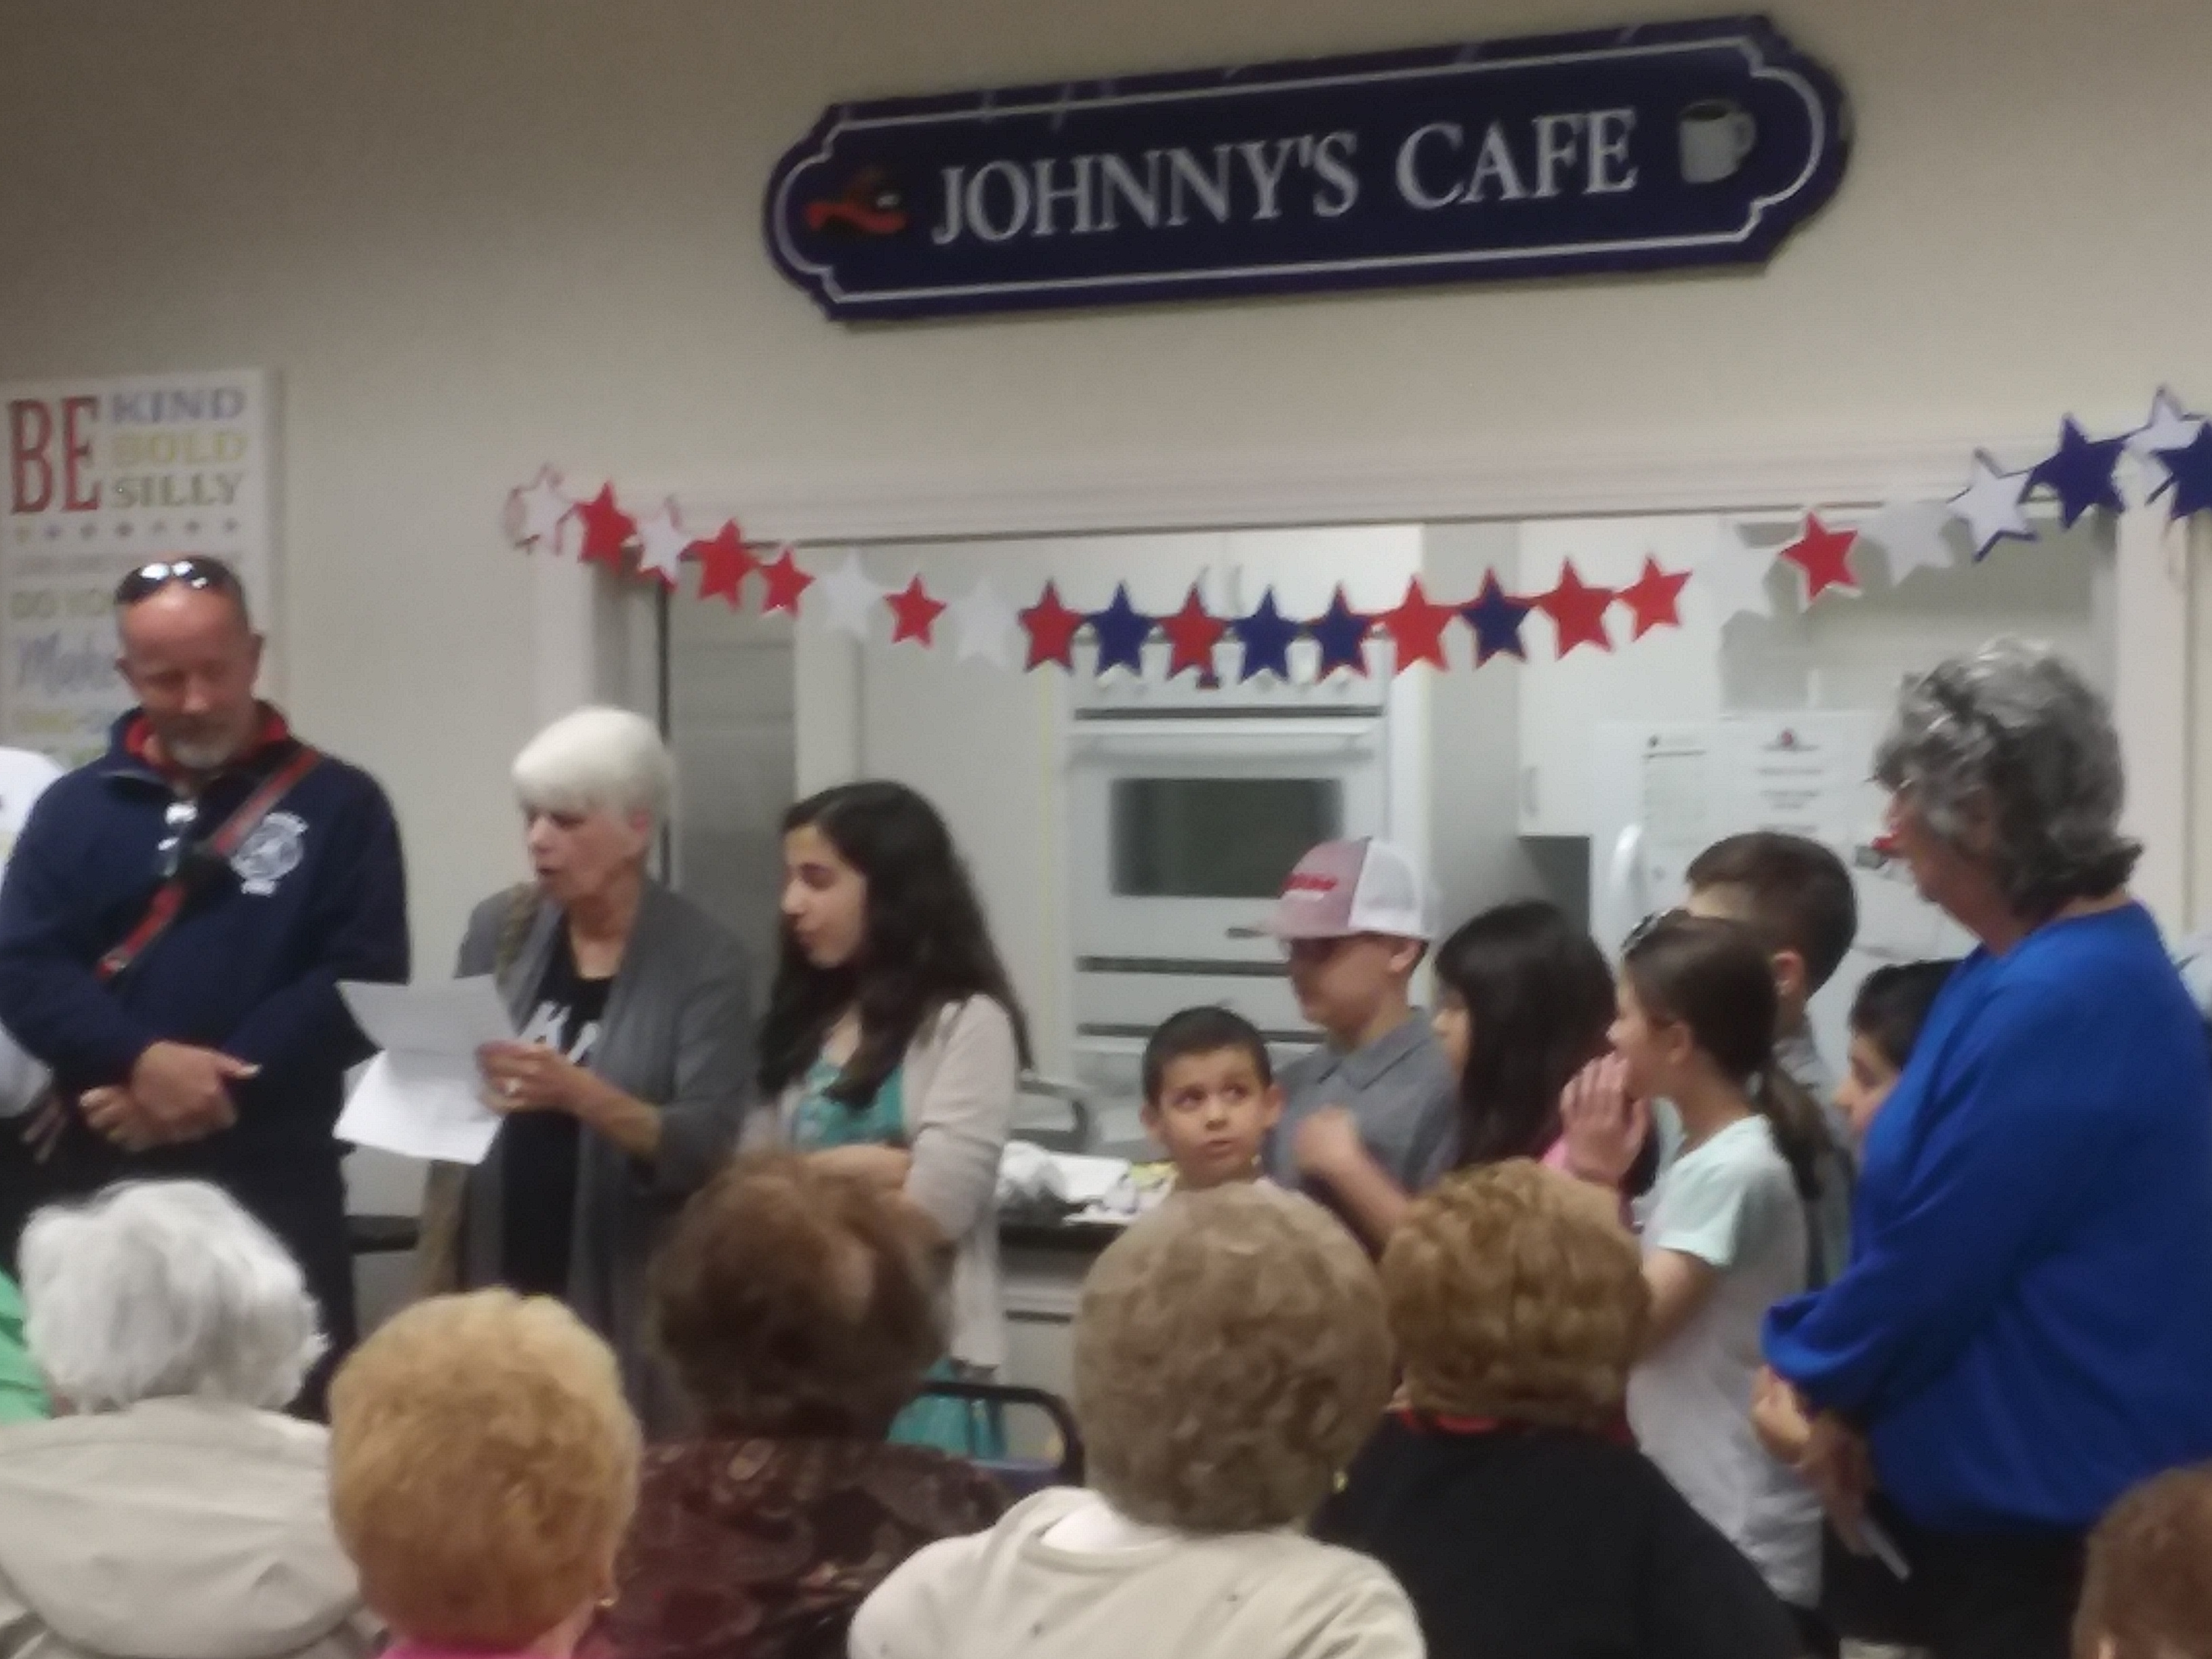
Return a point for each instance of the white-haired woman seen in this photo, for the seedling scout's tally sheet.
(173, 1508)
(2024, 1330)
(627, 1086)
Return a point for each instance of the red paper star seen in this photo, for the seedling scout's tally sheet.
(607, 529)
(725, 562)
(1654, 597)
(1576, 610)
(1052, 628)
(917, 613)
(1416, 628)
(785, 582)
(1192, 634)
(1824, 555)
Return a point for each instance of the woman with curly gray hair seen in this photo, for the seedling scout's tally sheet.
(2025, 1327)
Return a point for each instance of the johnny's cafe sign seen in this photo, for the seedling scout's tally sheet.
(1646, 148)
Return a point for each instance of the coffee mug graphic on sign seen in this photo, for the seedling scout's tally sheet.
(1716, 134)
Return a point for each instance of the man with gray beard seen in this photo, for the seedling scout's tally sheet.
(177, 918)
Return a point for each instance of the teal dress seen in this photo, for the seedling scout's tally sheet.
(964, 1428)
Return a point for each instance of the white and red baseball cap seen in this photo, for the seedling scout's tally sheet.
(1344, 888)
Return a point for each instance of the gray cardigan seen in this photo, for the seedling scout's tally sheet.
(677, 1034)
(962, 1072)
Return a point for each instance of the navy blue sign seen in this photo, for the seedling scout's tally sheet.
(1638, 149)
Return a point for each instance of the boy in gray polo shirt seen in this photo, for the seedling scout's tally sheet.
(1356, 918)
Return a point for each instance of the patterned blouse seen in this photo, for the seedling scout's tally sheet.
(765, 1549)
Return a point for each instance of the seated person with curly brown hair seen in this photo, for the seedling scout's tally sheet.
(797, 1308)
(483, 1464)
(1505, 1495)
(2147, 1591)
(1229, 1357)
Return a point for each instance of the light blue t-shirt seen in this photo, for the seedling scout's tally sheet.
(1729, 1202)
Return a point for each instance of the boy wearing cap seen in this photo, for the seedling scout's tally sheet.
(1355, 919)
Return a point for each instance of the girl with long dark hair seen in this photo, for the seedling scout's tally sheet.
(1524, 1001)
(1726, 1238)
(894, 1042)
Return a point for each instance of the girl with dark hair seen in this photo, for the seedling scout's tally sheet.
(1523, 1000)
(894, 1043)
(1726, 1238)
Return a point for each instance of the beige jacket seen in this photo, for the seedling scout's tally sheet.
(1011, 1593)
(961, 1072)
(177, 1529)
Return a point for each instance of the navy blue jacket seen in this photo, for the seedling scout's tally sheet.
(2026, 1325)
(252, 967)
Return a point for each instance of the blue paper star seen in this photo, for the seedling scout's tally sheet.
(2080, 473)
(2188, 474)
(1121, 630)
(1496, 617)
(1341, 633)
(1266, 635)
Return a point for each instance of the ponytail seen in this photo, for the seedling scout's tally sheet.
(1714, 976)
(1800, 1133)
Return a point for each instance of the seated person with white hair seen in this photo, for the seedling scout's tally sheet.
(1230, 1356)
(625, 1090)
(173, 1509)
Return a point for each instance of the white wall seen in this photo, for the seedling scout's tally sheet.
(471, 235)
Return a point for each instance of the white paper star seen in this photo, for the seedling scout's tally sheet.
(988, 627)
(2170, 426)
(1991, 505)
(1912, 536)
(847, 599)
(535, 515)
(662, 541)
(1733, 577)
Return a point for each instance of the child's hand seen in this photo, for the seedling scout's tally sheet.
(1601, 1127)
(1326, 1142)
(1778, 1417)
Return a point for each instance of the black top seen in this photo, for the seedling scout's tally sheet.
(1530, 1543)
(538, 1150)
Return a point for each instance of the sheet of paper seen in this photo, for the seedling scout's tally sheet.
(422, 1097)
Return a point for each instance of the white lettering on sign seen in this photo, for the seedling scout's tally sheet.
(1582, 152)
(1256, 179)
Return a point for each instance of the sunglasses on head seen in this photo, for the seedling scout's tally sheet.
(1645, 928)
(210, 575)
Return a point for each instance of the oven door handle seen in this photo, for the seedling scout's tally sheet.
(1214, 749)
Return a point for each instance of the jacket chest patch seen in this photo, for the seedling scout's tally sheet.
(270, 853)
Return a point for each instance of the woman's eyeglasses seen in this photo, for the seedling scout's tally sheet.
(209, 574)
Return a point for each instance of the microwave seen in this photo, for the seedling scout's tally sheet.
(1187, 808)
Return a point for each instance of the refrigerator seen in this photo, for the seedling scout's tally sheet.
(1662, 791)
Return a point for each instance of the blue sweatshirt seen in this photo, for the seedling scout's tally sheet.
(2026, 1325)
(252, 967)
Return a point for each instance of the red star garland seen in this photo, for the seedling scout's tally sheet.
(916, 613)
(1824, 555)
(725, 562)
(1416, 628)
(1655, 598)
(1052, 628)
(608, 531)
(785, 582)
(1576, 610)
(1192, 635)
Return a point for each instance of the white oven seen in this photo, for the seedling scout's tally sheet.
(1183, 831)
(1188, 805)
(1187, 808)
